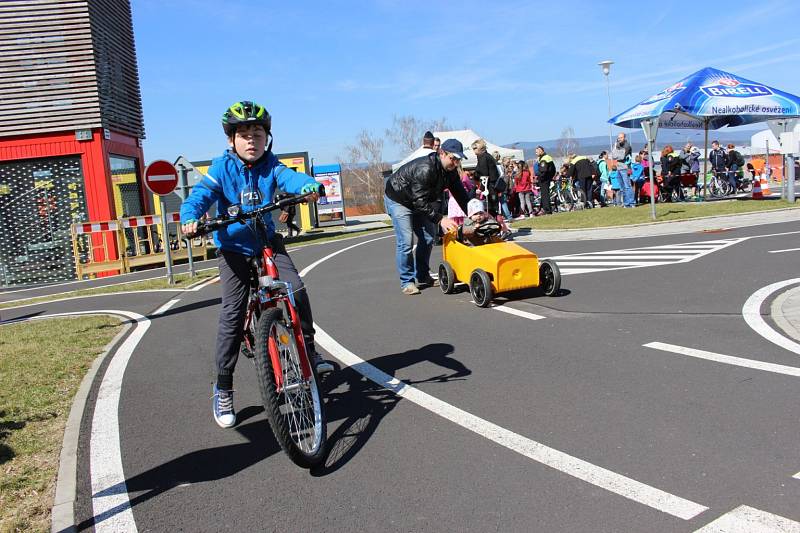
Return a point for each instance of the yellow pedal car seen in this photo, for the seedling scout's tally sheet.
(495, 267)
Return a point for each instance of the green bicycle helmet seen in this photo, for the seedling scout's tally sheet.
(245, 112)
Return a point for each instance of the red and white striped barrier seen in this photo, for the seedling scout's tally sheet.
(95, 227)
(130, 222)
(149, 220)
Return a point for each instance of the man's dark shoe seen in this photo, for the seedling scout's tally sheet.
(427, 282)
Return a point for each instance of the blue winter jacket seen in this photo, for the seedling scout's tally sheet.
(230, 181)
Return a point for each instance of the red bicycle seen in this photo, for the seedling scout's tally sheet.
(273, 339)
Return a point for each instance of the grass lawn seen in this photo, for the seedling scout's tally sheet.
(41, 366)
(615, 216)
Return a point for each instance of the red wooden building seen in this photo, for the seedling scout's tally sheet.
(71, 129)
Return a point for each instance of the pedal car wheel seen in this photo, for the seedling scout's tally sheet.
(480, 287)
(447, 278)
(549, 277)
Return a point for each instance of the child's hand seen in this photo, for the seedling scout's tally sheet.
(189, 227)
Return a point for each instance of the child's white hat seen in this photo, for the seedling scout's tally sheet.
(474, 206)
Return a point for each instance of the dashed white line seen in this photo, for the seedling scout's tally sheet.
(786, 250)
(517, 312)
(727, 359)
(746, 519)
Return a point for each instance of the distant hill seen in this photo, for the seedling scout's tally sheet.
(594, 145)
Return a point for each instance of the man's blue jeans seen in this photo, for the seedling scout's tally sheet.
(411, 266)
(627, 189)
(732, 177)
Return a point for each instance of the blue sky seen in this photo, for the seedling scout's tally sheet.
(512, 71)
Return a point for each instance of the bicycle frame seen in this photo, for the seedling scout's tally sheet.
(269, 291)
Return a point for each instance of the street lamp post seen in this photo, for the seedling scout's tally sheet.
(606, 66)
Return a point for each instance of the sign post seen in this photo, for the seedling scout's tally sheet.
(161, 177)
(183, 192)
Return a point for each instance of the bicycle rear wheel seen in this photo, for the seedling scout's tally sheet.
(291, 396)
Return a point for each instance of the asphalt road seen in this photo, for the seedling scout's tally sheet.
(491, 421)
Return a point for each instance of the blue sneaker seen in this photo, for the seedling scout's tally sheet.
(224, 415)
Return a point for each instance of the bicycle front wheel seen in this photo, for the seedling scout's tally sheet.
(289, 391)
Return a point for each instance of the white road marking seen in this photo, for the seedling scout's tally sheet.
(781, 251)
(751, 311)
(583, 470)
(313, 265)
(746, 519)
(111, 507)
(727, 359)
(88, 288)
(517, 312)
(578, 468)
(163, 309)
(203, 285)
(796, 476)
(665, 254)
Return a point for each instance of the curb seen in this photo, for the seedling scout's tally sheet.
(790, 327)
(657, 223)
(62, 517)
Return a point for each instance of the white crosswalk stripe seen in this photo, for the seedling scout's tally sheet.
(666, 254)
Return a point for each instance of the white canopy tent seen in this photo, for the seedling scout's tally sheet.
(767, 139)
(466, 138)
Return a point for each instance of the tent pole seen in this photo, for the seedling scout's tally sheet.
(705, 161)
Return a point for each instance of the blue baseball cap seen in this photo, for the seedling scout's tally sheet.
(454, 147)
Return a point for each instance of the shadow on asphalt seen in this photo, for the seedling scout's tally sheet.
(188, 307)
(20, 318)
(362, 404)
(196, 467)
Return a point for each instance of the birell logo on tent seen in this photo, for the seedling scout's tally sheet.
(735, 89)
(669, 92)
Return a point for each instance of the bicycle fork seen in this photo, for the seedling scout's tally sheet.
(276, 293)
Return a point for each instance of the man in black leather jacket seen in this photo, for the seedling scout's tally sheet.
(413, 196)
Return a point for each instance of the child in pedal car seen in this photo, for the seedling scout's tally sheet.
(478, 227)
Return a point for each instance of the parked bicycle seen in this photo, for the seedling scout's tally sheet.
(567, 196)
(274, 341)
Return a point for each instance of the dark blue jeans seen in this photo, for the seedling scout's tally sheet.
(411, 266)
(732, 176)
(234, 276)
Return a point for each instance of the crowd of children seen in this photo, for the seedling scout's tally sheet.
(616, 178)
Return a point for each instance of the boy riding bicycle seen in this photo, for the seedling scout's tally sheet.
(247, 174)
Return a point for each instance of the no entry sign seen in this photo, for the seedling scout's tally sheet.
(161, 177)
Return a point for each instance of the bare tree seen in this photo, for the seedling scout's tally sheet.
(567, 143)
(439, 125)
(406, 131)
(362, 168)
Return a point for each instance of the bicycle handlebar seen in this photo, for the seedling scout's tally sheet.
(213, 224)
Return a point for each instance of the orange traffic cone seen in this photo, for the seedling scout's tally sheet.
(757, 194)
(765, 186)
